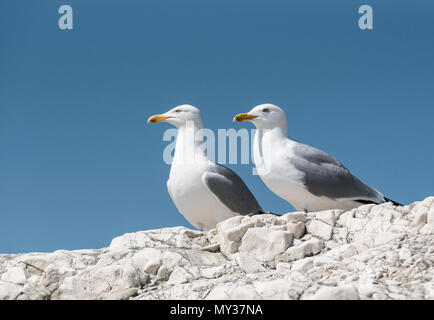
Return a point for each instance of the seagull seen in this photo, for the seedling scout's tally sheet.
(306, 177)
(204, 192)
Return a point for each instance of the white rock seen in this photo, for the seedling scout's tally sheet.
(129, 241)
(172, 258)
(148, 259)
(274, 289)
(248, 263)
(327, 216)
(386, 237)
(35, 290)
(319, 229)
(341, 234)
(210, 259)
(296, 228)
(371, 252)
(163, 273)
(331, 244)
(302, 264)
(283, 267)
(9, 291)
(341, 252)
(423, 212)
(54, 274)
(244, 292)
(343, 292)
(356, 224)
(430, 216)
(16, 275)
(265, 244)
(35, 263)
(213, 272)
(110, 282)
(228, 291)
(404, 254)
(345, 217)
(420, 218)
(307, 248)
(230, 232)
(294, 217)
(324, 260)
(180, 275)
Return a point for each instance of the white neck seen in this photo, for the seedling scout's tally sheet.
(190, 147)
(264, 145)
(276, 134)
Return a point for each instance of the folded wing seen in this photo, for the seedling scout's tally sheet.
(231, 190)
(325, 176)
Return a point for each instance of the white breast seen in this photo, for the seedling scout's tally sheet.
(192, 197)
(271, 156)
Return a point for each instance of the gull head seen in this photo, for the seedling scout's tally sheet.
(179, 116)
(264, 116)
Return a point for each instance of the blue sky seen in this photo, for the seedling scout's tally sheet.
(78, 164)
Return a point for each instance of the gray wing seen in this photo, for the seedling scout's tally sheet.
(325, 176)
(231, 190)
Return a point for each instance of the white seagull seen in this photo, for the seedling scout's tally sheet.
(204, 192)
(308, 178)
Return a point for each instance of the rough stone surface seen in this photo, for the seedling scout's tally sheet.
(372, 252)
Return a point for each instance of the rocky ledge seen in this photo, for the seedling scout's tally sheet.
(373, 252)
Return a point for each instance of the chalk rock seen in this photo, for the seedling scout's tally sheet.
(296, 228)
(9, 290)
(17, 275)
(343, 292)
(371, 252)
(265, 244)
(319, 229)
(305, 249)
(328, 216)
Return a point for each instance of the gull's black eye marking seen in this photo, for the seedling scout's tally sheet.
(178, 110)
(265, 110)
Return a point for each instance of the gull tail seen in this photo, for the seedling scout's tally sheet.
(394, 202)
(264, 212)
(275, 214)
(375, 202)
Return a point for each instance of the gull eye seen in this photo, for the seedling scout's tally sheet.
(178, 110)
(265, 110)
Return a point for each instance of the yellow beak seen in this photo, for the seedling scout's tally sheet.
(157, 118)
(244, 117)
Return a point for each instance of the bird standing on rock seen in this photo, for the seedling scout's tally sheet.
(306, 177)
(204, 192)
